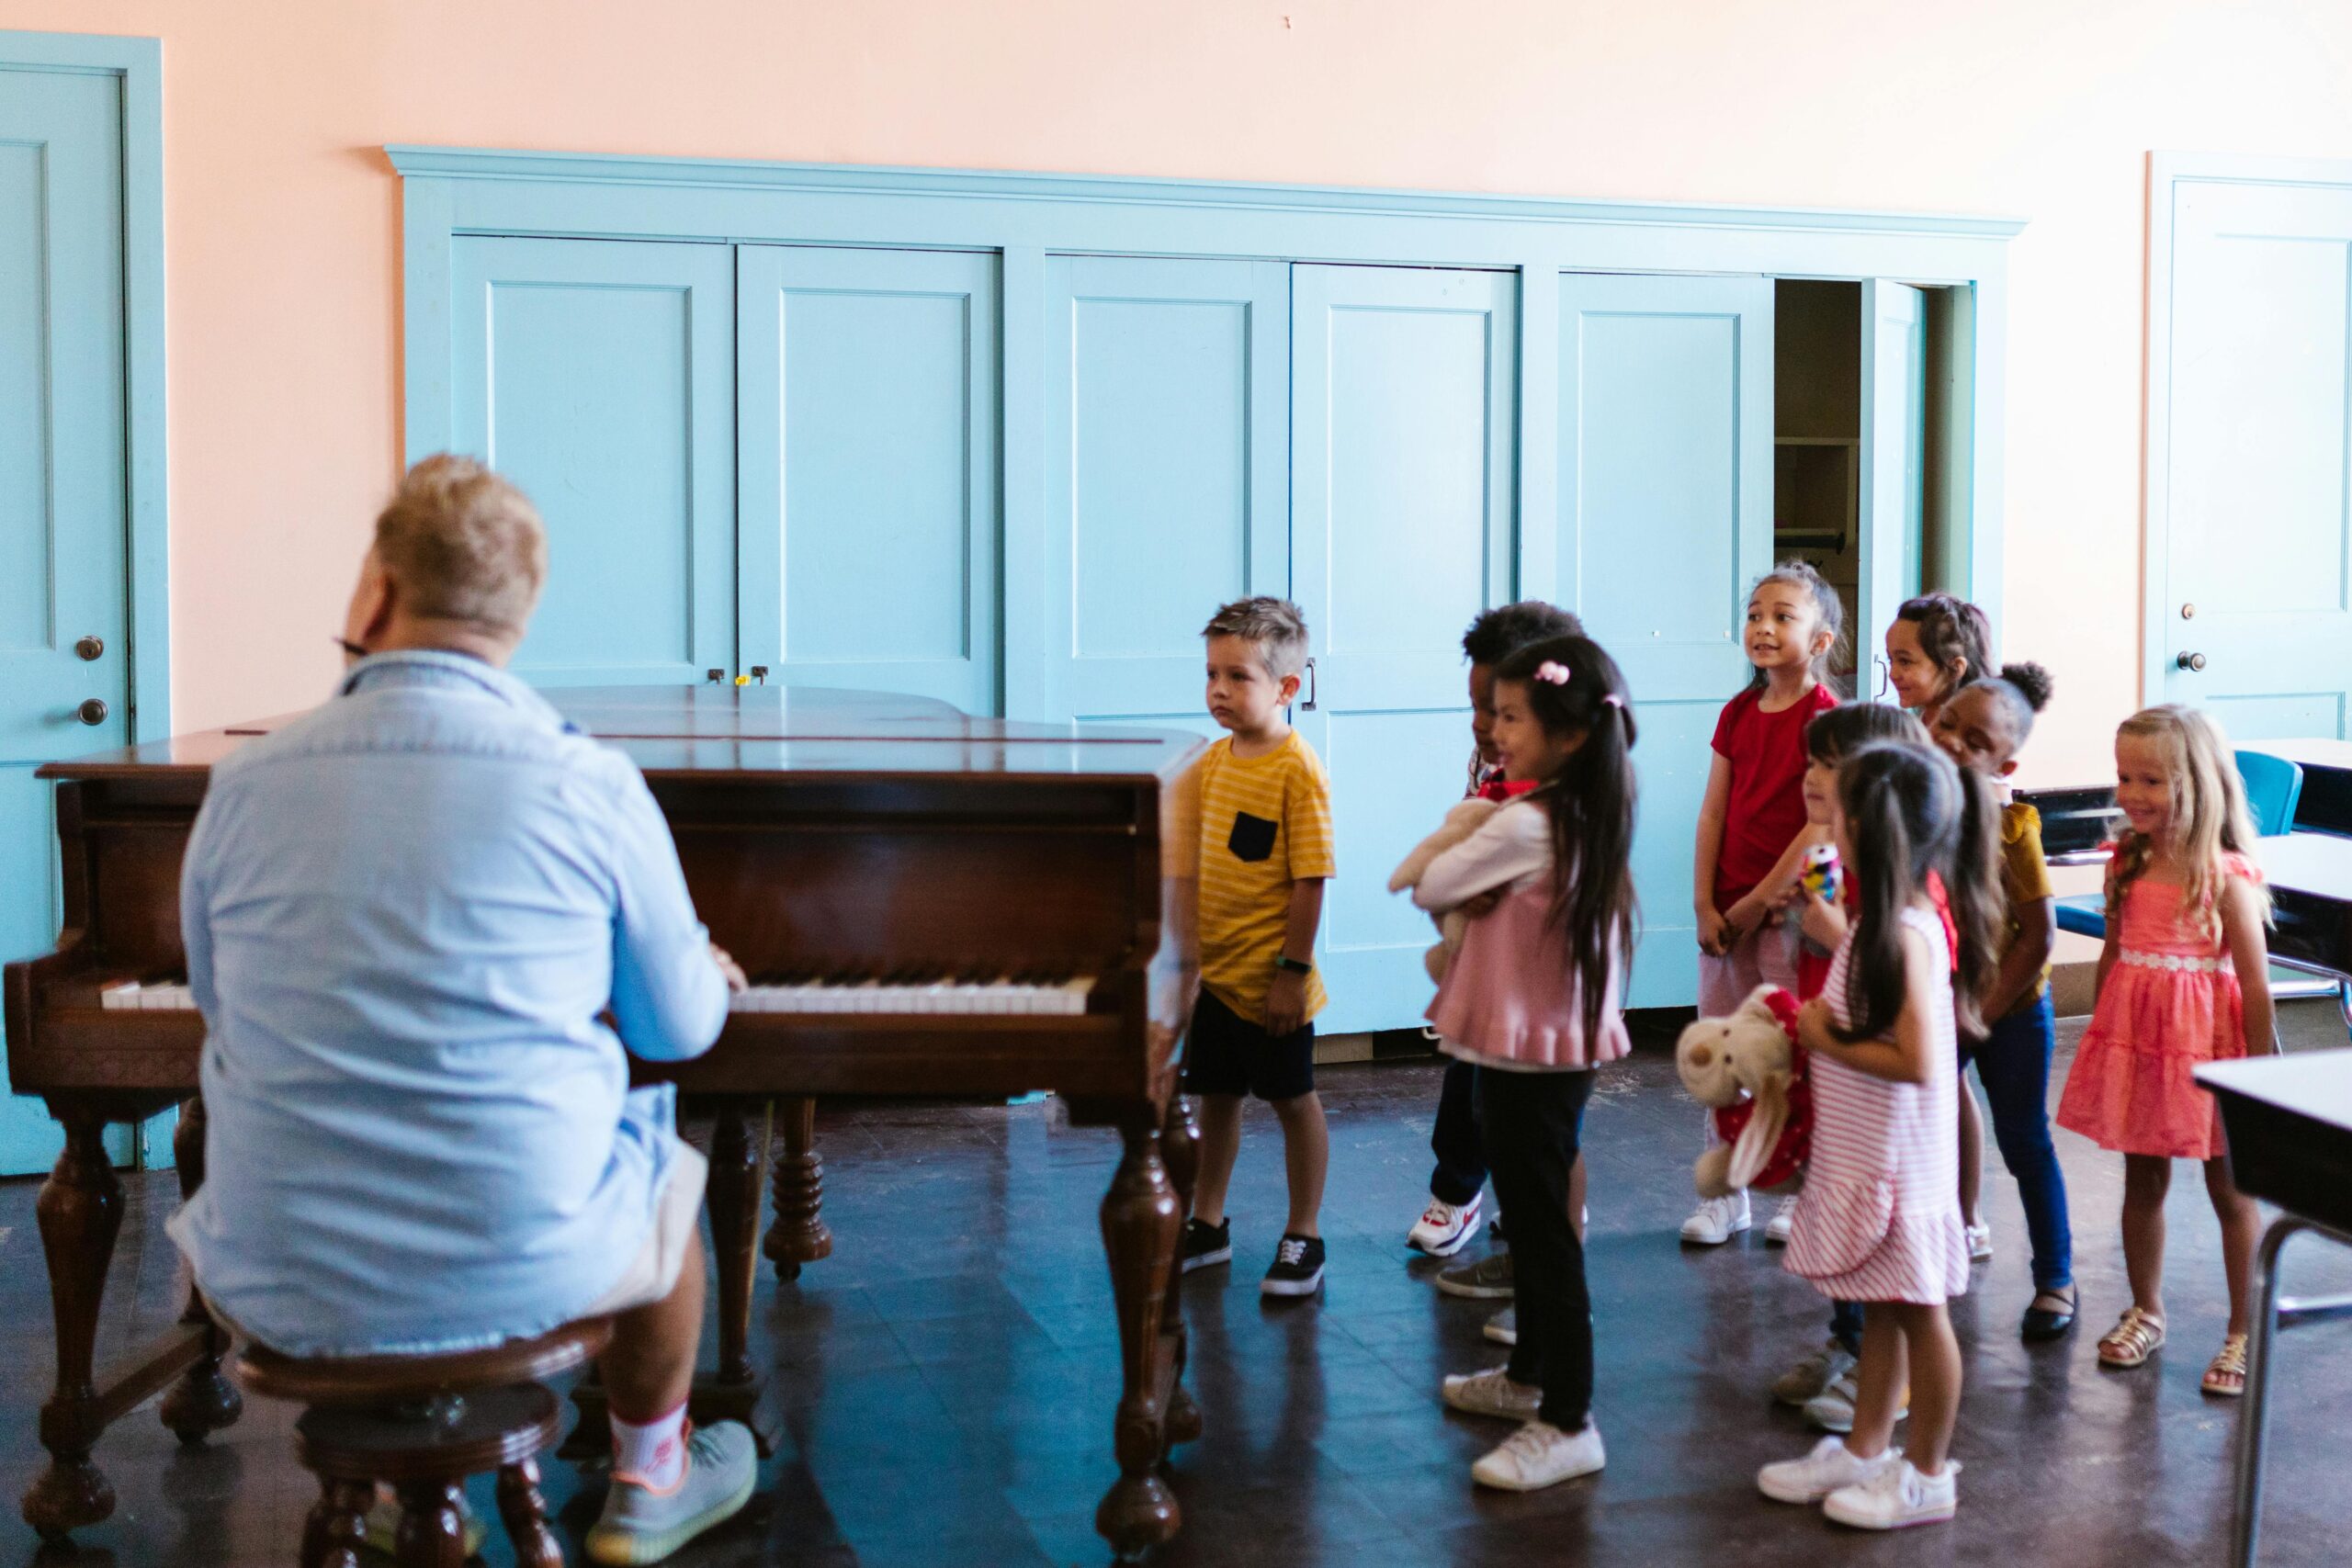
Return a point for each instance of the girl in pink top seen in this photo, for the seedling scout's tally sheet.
(1879, 1219)
(2185, 978)
(1533, 998)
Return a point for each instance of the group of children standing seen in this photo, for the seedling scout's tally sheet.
(1932, 953)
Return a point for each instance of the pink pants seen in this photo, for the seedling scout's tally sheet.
(1765, 956)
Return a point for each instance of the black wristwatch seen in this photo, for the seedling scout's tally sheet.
(1284, 961)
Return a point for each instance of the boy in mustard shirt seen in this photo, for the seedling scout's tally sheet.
(1265, 855)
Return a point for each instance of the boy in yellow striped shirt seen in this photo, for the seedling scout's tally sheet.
(1265, 855)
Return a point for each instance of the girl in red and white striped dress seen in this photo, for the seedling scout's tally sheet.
(1879, 1221)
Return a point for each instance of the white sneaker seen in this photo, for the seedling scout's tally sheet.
(1830, 1467)
(1503, 1327)
(1716, 1220)
(1784, 1220)
(1445, 1228)
(1832, 1409)
(1980, 1247)
(1491, 1392)
(1539, 1455)
(1810, 1377)
(1896, 1496)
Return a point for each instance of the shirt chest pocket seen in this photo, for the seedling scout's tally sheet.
(1252, 838)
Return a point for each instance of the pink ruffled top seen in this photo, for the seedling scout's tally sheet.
(1510, 998)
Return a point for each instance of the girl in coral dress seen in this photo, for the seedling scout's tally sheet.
(2185, 979)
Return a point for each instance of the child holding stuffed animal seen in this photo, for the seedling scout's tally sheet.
(1879, 1219)
(1981, 727)
(2185, 978)
(1533, 998)
(1751, 824)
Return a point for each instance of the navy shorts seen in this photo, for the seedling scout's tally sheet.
(1228, 1054)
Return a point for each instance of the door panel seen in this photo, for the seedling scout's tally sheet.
(600, 377)
(1891, 510)
(870, 535)
(1404, 404)
(63, 524)
(1665, 518)
(2254, 523)
(1167, 433)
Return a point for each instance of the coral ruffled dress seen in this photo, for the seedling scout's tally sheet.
(2170, 1002)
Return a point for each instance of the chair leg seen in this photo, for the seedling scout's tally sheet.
(433, 1531)
(526, 1513)
(337, 1531)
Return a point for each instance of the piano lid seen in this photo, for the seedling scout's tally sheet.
(704, 730)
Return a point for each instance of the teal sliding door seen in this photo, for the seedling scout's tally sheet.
(600, 376)
(1890, 510)
(1665, 449)
(63, 520)
(1404, 414)
(1167, 423)
(869, 517)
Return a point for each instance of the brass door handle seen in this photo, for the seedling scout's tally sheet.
(2191, 661)
(92, 711)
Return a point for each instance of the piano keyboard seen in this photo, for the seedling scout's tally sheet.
(150, 995)
(1059, 999)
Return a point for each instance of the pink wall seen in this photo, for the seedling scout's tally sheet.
(284, 234)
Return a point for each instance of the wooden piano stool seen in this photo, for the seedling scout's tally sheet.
(423, 1424)
(927, 903)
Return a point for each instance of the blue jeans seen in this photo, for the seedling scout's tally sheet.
(2013, 1062)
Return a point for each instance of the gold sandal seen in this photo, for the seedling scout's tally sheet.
(2226, 1373)
(2135, 1337)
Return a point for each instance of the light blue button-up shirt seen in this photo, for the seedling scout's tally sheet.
(403, 913)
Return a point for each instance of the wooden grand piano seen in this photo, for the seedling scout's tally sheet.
(926, 903)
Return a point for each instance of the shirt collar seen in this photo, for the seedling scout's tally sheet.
(437, 667)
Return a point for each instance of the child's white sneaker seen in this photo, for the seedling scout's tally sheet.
(1716, 1220)
(1830, 1467)
(1445, 1228)
(1896, 1496)
(1539, 1455)
(1980, 1243)
(1491, 1392)
(1832, 1409)
(1784, 1222)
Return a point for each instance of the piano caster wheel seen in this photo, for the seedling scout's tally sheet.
(786, 1270)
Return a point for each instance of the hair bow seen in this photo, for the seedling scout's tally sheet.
(1551, 672)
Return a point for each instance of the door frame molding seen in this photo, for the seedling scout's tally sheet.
(2167, 173)
(139, 64)
(451, 191)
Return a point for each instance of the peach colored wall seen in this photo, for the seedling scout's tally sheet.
(283, 231)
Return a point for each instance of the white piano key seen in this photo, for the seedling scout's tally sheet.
(122, 995)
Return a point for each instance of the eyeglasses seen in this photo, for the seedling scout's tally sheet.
(349, 647)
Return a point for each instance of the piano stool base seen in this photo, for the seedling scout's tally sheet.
(2270, 1315)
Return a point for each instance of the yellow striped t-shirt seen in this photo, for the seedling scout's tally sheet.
(1265, 824)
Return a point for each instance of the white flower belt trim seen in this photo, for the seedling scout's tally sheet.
(2180, 963)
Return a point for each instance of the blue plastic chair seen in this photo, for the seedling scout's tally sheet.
(2272, 784)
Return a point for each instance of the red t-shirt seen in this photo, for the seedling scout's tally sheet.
(1766, 810)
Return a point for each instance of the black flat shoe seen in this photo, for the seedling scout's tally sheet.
(2041, 1322)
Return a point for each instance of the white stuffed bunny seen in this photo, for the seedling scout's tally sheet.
(1460, 823)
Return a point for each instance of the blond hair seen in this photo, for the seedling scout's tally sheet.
(2209, 819)
(464, 545)
(1275, 627)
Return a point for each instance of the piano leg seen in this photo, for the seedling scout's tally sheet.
(80, 1208)
(799, 1235)
(1181, 1151)
(1142, 1227)
(203, 1400)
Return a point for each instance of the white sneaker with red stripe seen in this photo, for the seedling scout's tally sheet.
(1445, 1228)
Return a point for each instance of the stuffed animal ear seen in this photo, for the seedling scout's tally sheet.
(1762, 1134)
(1712, 1176)
(1758, 1004)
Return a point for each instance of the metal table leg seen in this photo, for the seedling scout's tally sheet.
(2248, 1503)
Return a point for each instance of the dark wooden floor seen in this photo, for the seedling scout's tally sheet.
(949, 1377)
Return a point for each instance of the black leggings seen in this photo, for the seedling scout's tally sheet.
(1532, 1122)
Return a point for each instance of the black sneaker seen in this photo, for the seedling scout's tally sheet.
(1298, 1268)
(1206, 1245)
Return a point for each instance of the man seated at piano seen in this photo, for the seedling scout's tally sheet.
(408, 916)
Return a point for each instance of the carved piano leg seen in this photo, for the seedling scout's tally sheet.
(1181, 1151)
(80, 1208)
(734, 1201)
(1142, 1225)
(203, 1400)
(799, 1235)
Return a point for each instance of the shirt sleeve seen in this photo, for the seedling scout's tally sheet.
(668, 995)
(1513, 842)
(195, 906)
(2024, 868)
(1725, 722)
(1307, 823)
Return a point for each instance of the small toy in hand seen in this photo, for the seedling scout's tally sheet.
(1820, 875)
(1748, 1069)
